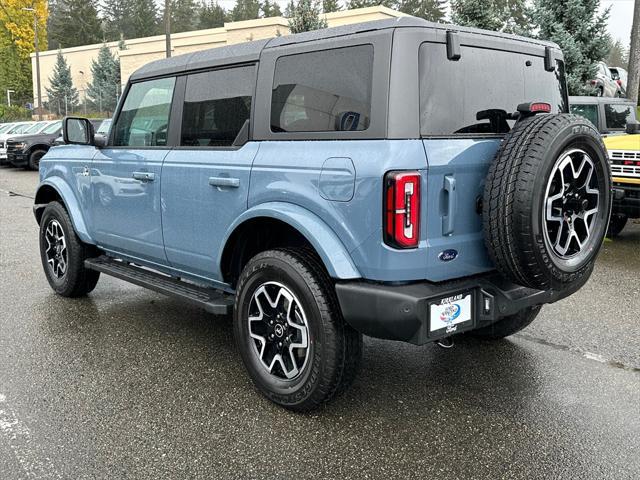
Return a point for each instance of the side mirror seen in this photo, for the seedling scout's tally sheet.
(100, 140)
(633, 128)
(77, 131)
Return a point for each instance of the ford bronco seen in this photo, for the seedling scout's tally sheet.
(375, 179)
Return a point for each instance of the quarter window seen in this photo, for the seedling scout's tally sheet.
(217, 105)
(328, 90)
(617, 116)
(590, 112)
(144, 118)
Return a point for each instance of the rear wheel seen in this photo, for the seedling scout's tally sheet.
(297, 348)
(63, 254)
(34, 159)
(508, 325)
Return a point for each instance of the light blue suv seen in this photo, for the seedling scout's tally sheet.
(399, 179)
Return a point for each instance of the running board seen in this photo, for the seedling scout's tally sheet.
(212, 300)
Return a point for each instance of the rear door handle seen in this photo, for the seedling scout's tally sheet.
(224, 182)
(448, 220)
(144, 176)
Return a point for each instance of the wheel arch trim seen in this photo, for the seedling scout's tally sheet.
(324, 240)
(70, 203)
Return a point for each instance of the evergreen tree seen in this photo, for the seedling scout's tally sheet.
(351, 4)
(329, 6)
(62, 96)
(618, 56)
(184, 15)
(580, 31)
(510, 16)
(118, 20)
(432, 10)
(245, 10)
(270, 9)
(306, 17)
(104, 88)
(144, 18)
(289, 9)
(72, 23)
(212, 15)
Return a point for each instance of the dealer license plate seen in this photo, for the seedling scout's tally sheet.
(450, 312)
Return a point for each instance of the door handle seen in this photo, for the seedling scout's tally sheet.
(224, 182)
(448, 220)
(144, 176)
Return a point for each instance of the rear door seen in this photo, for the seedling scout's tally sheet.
(205, 180)
(125, 175)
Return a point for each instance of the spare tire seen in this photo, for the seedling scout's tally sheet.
(547, 201)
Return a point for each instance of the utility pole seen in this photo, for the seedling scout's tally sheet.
(167, 26)
(633, 83)
(9, 92)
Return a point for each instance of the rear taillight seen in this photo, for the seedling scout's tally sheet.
(402, 209)
(619, 82)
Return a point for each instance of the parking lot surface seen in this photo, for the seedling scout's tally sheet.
(127, 383)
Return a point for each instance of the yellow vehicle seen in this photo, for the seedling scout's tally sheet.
(624, 157)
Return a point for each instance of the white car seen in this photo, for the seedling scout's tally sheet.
(620, 75)
(12, 130)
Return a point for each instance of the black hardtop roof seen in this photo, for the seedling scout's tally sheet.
(250, 51)
(581, 100)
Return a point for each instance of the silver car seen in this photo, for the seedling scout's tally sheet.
(620, 75)
(604, 85)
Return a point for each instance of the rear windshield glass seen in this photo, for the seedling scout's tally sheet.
(617, 116)
(327, 90)
(590, 112)
(473, 94)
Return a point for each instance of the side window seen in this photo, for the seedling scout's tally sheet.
(327, 90)
(217, 105)
(144, 118)
(617, 116)
(590, 112)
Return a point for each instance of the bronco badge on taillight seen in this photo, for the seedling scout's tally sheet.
(402, 209)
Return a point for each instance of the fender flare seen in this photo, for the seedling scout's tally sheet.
(331, 250)
(71, 204)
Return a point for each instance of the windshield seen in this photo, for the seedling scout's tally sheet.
(53, 128)
(19, 128)
(35, 128)
(473, 94)
(6, 127)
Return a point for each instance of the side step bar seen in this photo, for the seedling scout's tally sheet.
(212, 300)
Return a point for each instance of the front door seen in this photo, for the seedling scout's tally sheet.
(125, 176)
(205, 180)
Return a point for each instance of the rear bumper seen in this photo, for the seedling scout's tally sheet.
(626, 199)
(401, 312)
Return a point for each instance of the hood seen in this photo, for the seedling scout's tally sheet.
(35, 137)
(623, 142)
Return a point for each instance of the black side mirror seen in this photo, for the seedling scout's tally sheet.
(633, 128)
(77, 131)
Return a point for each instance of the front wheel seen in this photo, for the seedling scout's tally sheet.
(63, 254)
(289, 330)
(34, 159)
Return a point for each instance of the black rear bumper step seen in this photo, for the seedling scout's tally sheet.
(212, 300)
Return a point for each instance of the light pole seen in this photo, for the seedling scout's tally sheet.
(9, 92)
(35, 41)
(167, 26)
(84, 90)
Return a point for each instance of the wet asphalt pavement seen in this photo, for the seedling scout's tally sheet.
(129, 384)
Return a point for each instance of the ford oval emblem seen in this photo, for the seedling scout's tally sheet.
(448, 255)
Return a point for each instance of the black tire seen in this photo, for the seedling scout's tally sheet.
(334, 348)
(34, 159)
(521, 180)
(75, 280)
(508, 325)
(616, 224)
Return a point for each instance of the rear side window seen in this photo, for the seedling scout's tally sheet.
(144, 118)
(328, 90)
(473, 94)
(590, 112)
(617, 116)
(217, 105)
